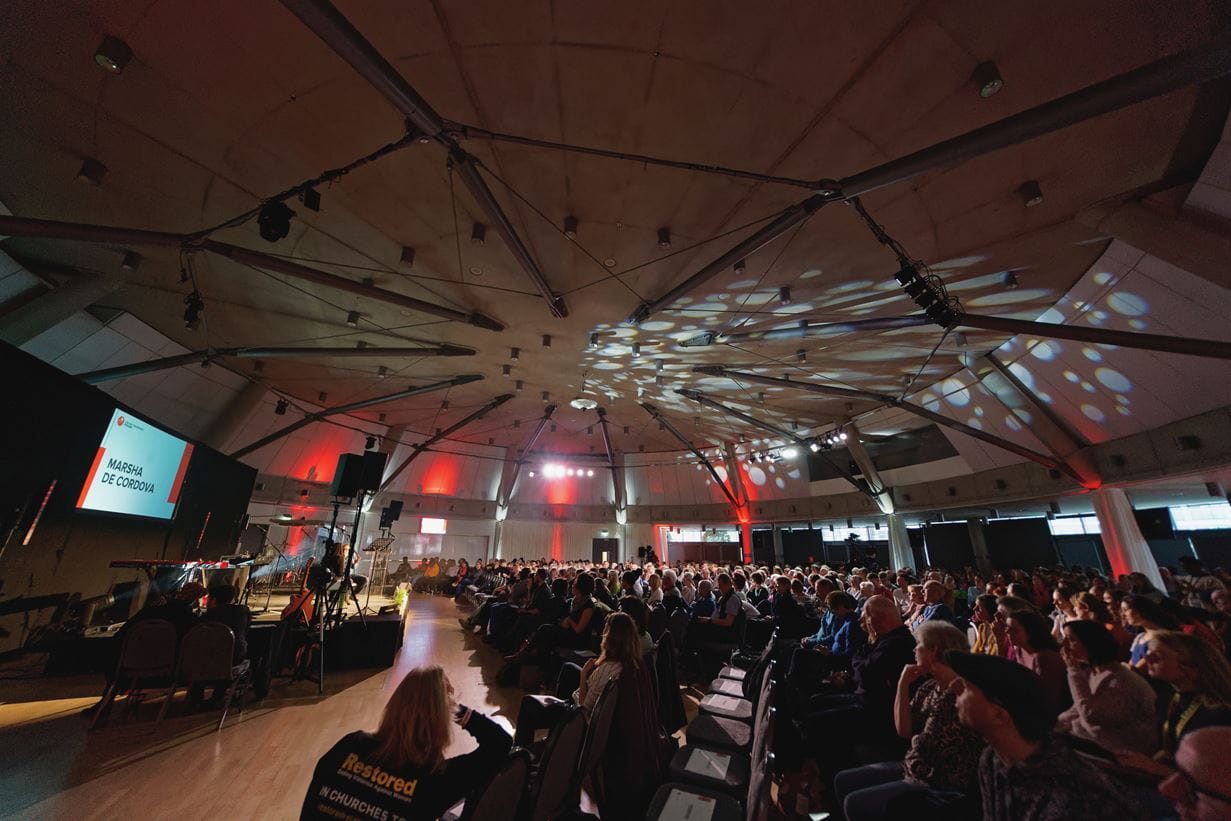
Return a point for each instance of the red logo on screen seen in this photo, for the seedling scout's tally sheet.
(120, 421)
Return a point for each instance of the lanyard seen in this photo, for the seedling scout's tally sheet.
(1185, 717)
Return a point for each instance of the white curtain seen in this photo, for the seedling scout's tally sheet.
(900, 554)
(1126, 548)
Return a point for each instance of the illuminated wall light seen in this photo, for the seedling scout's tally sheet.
(478, 234)
(987, 79)
(531, 474)
(569, 471)
(664, 237)
(514, 353)
(589, 473)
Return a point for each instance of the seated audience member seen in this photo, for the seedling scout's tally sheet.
(862, 704)
(1147, 617)
(400, 770)
(630, 583)
(1063, 610)
(654, 593)
(704, 603)
(1005, 607)
(820, 654)
(1192, 621)
(1200, 786)
(1197, 583)
(1221, 599)
(984, 620)
(223, 608)
(943, 755)
(636, 608)
(688, 588)
(1026, 772)
(672, 600)
(914, 604)
(757, 591)
(787, 613)
(1112, 705)
(1089, 607)
(934, 606)
(572, 631)
(718, 625)
(1037, 651)
(1199, 679)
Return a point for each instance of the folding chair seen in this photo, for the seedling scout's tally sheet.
(598, 730)
(553, 773)
(205, 659)
(505, 790)
(147, 656)
(726, 723)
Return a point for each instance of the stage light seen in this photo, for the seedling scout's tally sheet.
(915, 287)
(531, 474)
(352, 319)
(1031, 193)
(589, 473)
(814, 447)
(664, 237)
(280, 407)
(408, 256)
(842, 436)
(740, 267)
(790, 453)
(987, 79)
(274, 221)
(906, 274)
(784, 295)
(192, 310)
(570, 227)
(569, 471)
(369, 443)
(91, 171)
(636, 349)
(478, 234)
(1010, 280)
(113, 54)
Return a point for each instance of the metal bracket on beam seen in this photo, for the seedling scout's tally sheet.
(353, 406)
(449, 431)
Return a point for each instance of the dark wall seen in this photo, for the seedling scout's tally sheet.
(53, 423)
(948, 544)
(1022, 543)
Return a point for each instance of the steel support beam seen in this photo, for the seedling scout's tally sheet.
(697, 396)
(505, 493)
(881, 494)
(109, 235)
(192, 358)
(420, 447)
(808, 329)
(893, 401)
(353, 406)
(1199, 65)
(674, 431)
(337, 32)
(1202, 64)
(764, 235)
(617, 483)
(1212, 348)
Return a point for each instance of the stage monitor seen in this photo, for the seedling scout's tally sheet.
(137, 471)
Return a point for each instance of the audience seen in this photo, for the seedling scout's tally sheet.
(1200, 786)
(1112, 706)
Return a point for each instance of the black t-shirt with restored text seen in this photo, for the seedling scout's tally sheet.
(348, 784)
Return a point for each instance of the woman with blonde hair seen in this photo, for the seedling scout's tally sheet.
(401, 768)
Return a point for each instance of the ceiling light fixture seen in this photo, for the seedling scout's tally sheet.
(505, 370)
(311, 199)
(789, 453)
(382, 371)
(280, 407)
(515, 353)
(741, 266)
(192, 310)
(1010, 280)
(664, 237)
(322, 396)
(131, 261)
(519, 384)
(1031, 193)
(478, 234)
(570, 227)
(369, 443)
(583, 403)
(91, 172)
(987, 79)
(352, 319)
(274, 220)
(113, 54)
(784, 295)
(408, 256)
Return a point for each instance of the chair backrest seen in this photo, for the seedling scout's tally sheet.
(502, 795)
(206, 653)
(761, 755)
(678, 625)
(660, 619)
(555, 769)
(598, 730)
(149, 648)
(761, 725)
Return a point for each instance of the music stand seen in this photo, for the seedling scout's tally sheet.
(378, 546)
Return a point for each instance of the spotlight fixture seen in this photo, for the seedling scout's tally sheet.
(546, 395)
(192, 310)
(664, 237)
(987, 79)
(594, 340)
(570, 227)
(478, 234)
(408, 256)
(131, 260)
(352, 319)
(784, 295)
(382, 372)
(274, 220)
(505, 370)
(636, 349)
(583, 403)
(626, 429)
(113, 54)
(322, 396)
(531, 474)
(801, 355)
(515, 353)
(369, 443)
(380, 417)
(546, 340)
(311, 199)
(519, 384)
(928, 292)
(280, 407)
(1031, 193)
(91, 171)
(741, 266)
(1010, 280)
(814, 446)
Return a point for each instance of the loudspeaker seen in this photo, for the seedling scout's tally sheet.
(350, 645)
(347, 476)
(390, 513)
(373, 469)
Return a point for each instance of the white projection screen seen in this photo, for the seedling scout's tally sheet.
(138, 470)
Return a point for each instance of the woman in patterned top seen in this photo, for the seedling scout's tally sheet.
(943, 756)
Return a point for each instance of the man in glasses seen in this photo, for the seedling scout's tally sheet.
(1027, 773)
(1200, 788)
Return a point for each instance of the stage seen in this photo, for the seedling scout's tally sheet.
(258, 766)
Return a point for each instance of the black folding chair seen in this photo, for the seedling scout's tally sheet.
(147, 658)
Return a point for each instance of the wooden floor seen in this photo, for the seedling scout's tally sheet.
(258, 767)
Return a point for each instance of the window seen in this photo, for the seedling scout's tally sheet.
(1074, 525)
(433, 525)
(1202, 517)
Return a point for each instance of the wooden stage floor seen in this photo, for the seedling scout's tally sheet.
(258, 766)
